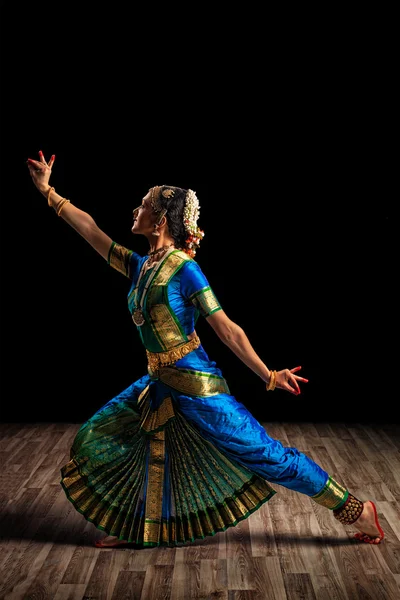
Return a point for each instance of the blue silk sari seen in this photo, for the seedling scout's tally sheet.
(175, 457)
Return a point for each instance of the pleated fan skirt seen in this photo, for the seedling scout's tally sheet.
(141, 470)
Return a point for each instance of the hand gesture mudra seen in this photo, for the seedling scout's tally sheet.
(40, 171)
(286, 380)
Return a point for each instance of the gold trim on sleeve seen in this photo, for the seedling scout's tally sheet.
(119, 259)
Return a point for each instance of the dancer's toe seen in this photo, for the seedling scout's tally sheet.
(110, 542)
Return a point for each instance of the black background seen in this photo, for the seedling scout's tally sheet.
(285, 140)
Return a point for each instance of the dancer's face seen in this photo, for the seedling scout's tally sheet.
(143, 217)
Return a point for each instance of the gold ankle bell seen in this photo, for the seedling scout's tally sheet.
(350, 511)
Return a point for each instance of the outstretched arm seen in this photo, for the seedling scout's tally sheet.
(233, 336)
(81, 221)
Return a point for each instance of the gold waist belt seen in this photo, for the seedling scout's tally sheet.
(156, 360)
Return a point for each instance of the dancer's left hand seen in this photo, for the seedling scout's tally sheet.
(287, 380)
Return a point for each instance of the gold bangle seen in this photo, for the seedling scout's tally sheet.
(60, 208)
(272, 382)
(48, 195)
(60, 204)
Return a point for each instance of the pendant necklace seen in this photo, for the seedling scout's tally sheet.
(137, 315)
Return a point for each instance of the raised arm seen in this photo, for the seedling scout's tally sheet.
(79, 220)
(233, 336)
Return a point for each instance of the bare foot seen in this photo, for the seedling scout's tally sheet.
(368, 525)
(109, 542)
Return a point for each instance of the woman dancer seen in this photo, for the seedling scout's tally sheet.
(175, 457)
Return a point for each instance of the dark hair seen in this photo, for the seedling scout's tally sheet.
(175, 208)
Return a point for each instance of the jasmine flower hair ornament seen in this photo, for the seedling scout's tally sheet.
(191, 214)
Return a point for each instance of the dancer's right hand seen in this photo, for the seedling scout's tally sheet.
(40, 171)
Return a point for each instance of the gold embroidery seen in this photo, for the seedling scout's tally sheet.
(171, 264)
(156, 360)
(168, 530)
(195, 383)
(167, 330)
(153, 420)
(151, 533)
(214, 493)
(206, 302)
(152, 530)
(165, 327)
(119, 259)
(332, 495)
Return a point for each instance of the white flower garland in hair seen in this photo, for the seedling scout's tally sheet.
(190, 216)
(191, 211)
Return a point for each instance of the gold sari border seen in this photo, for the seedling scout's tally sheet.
(214, 520)
(172, 263)
(332, 496)
(152, 529)
(194, 383)
(155, 486)
(155, 420)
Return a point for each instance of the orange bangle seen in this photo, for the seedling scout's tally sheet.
(60, 208)
(272, 382)
(48, 195)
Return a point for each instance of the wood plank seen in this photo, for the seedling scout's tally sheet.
(51, 572)
(240, 567)
(299, 586)
(185, 581)
(129, 585)
(261, 532)
(213, 579)
(268, 580)
(105, 573)
(285, 533)
(290, 548)
(158, 583)
(68, 591)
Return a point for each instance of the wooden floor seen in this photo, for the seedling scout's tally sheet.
(291, 548)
